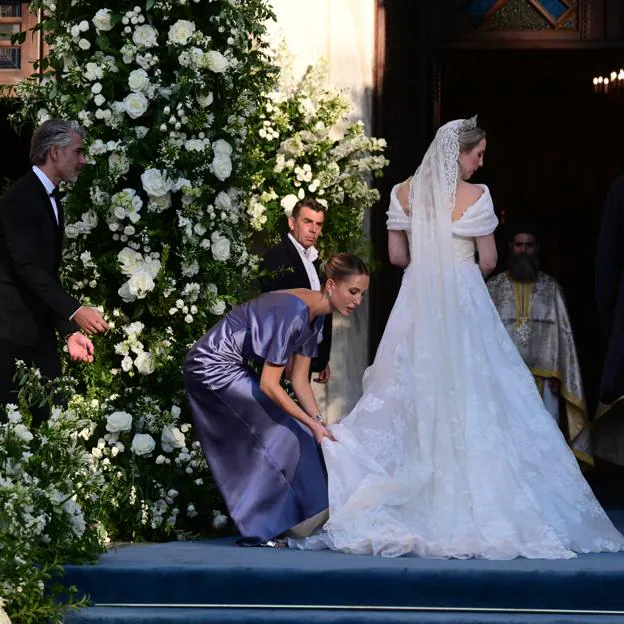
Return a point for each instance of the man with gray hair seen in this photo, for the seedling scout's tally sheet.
(33, 304)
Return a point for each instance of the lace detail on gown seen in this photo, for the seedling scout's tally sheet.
(493, 478)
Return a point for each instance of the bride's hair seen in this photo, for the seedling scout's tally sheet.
(469, 138)
(342, 266)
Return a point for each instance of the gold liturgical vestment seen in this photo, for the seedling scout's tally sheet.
(536, 317)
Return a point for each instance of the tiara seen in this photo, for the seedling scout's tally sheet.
(468, 124)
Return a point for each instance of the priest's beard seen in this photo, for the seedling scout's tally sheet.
(523, 268)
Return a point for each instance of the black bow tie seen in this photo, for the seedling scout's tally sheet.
(55, 194)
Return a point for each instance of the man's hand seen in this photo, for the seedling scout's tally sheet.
(90, 320)
(324, 375)
(80, 348)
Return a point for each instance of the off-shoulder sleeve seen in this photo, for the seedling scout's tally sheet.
(478, 220)
(397, 219)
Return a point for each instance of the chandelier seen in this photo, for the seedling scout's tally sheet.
(613, 83)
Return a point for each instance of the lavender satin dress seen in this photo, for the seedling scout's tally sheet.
(267, 466)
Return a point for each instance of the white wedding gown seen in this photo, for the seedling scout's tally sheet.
(493, 478)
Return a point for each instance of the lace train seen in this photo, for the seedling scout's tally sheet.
(494, 479)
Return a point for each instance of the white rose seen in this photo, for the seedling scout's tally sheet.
(142, 444)
(145, 363)
(216, 62)
(223, 201)
(22, 432)
(220, 247)
(155, 183)
(288, 203)
(119, 162)
(217, 308)
(129, 260)
(118, 421)
(205, 100)
(222, 148)
(218, 520)
(172, 438)
(90, 219)
(126, 363)
(83, 26)
(135, 104)
(145, 36)
(102, 20)
(222, 166)
(141, 283)
(83, 44)
(159, 204)
(181, 32)
(99, 99)
(138, 80)
(72, 231)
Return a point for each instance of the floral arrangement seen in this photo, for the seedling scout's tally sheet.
(51, 498)
(305, 145)
(156, 228)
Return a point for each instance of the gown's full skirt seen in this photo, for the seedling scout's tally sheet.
(494, 479)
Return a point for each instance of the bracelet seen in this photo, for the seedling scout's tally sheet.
(319, 418)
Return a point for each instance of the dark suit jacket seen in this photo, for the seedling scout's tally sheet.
(285, 263)
(31, 296)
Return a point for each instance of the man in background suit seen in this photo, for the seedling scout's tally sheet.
(294, 263)
(33, 304)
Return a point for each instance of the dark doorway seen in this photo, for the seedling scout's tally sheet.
(554, 147)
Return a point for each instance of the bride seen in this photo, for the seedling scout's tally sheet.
(450, 451)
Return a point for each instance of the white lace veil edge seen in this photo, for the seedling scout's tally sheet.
(437, 335)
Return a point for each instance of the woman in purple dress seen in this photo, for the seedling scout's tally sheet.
(262, 447)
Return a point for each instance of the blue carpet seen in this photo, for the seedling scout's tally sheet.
(216, 572)
(247, 616)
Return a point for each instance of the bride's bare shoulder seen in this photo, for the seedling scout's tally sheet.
(402, 194)
(468, 193)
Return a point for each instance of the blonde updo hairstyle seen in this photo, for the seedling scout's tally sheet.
(469, 138)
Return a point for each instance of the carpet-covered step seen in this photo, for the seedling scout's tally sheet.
(111, 615)
(217, 572)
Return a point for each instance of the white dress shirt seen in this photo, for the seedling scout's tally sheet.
(49, 187)
(308, 256)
